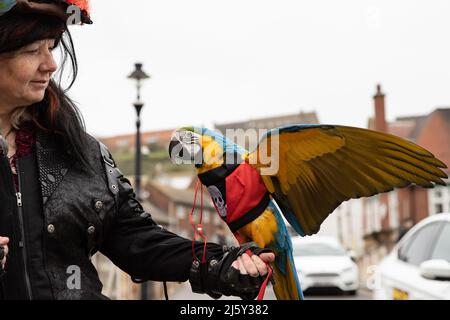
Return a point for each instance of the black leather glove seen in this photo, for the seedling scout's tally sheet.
(218, 277)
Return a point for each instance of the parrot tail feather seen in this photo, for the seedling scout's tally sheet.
(287, 286)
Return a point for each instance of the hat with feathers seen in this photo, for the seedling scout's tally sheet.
(59, 8)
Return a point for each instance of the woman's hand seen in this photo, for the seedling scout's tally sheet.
(3, 250)
(237, 273)
(255, 265)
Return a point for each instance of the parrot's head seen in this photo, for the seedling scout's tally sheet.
(198, 146)
(185, 147)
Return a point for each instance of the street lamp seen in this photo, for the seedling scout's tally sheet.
(139, 75)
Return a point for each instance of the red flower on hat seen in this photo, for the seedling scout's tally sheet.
(82, 4)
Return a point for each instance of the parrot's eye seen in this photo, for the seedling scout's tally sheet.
(185, 148)
(188, 137)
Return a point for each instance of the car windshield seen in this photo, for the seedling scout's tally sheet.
(318, 249)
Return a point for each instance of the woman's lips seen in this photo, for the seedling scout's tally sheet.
(41, 84)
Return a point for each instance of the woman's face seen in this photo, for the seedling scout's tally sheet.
(25, 75)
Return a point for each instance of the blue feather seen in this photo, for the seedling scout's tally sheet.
(6, 5)
(283, 245)
(226, 144)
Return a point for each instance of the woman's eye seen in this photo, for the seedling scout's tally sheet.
(32, 51)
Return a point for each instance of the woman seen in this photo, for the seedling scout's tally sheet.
(62, 198)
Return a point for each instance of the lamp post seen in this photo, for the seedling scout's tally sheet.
(139, 75)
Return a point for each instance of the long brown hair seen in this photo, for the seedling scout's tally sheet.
(56, 113)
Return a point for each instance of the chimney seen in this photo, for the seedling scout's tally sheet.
(380, 117)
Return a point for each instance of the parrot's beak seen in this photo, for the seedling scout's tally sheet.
(185, 148)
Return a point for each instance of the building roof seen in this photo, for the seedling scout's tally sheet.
(445, 113)
(271, 122)
(410, 127)
(418, 122)
(129, 140)
(402, 129)
(415, 122)
(421, 128)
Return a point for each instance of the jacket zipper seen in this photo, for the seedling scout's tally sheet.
(22, 234)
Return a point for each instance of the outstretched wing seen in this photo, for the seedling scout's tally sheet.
(320, 166)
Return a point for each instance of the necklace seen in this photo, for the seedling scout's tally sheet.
(9, 144)
(10, 131)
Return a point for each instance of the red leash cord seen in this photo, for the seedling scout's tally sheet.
(263, 288)
(198, 231)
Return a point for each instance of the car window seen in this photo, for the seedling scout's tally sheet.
(417, 249)
(318, 249)
(442, 248)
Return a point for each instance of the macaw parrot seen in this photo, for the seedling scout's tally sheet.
(318, 168)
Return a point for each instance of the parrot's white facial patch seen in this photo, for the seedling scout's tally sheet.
(188, 137)
(186, 148)
(219, 200)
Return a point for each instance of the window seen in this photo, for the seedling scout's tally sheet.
(180, 212)
(439, 199)
(442, 249)
(417, 249)
(123, 143)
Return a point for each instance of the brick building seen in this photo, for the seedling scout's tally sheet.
(128, 141)
(177, 205)
(384, 214)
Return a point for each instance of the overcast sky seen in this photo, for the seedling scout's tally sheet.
(218, 61)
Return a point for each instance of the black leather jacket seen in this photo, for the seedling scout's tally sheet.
(85, 212)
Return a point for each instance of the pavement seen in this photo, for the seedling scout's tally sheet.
(185, 293)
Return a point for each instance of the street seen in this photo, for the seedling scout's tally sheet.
(185, 293)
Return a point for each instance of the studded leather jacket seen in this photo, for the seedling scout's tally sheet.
(85, 212)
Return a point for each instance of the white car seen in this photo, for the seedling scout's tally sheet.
(419, 265)
(321, 262)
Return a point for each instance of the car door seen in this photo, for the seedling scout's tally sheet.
(441, 251)
(405, 281)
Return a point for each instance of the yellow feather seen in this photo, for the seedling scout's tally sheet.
(268, 183)
(319, 168)
(261, 230)
(212, 154)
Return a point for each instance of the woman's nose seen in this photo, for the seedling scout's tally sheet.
(49, 64)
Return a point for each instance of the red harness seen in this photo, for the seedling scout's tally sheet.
(246, 198)
(244, 192)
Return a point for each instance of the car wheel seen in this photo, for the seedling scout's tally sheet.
(352, 292)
